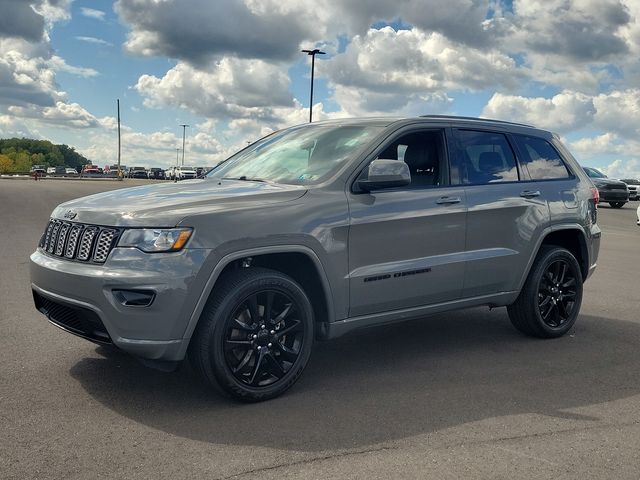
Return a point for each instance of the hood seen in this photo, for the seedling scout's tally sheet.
(609, 182)
(166, 204)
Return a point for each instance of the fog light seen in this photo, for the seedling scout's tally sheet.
(135, 298)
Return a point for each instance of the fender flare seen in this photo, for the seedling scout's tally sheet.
(251, 252)
(545, 233)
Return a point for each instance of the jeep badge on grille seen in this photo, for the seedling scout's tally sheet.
(70, 214)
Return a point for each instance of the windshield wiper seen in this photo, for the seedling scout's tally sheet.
(244, 178)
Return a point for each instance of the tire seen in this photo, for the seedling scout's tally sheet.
(548, 307)
(253, 350)
(617, 204)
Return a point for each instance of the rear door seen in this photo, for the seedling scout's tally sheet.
(406, 245)
(504, 215)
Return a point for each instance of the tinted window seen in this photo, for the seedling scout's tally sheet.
(483, 157)
(542, 160)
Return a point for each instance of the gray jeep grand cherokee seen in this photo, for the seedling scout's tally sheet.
(320, 229)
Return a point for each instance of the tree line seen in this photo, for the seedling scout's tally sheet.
(20, 154)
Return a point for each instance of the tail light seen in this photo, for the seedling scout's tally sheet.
(595, 194)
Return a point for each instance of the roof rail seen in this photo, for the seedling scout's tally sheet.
(456, 117)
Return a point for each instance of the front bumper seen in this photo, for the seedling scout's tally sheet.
(613, 196)
(78, 297)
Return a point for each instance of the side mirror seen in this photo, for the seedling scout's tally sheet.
(385, 174)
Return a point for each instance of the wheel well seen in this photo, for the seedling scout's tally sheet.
(573, 240)
(299, 267)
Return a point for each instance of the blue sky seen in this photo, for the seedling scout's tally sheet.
(233, 70)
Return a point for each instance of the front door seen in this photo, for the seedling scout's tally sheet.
(406, 245)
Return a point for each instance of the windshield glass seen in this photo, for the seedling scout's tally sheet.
(593, 173)
(300, 155)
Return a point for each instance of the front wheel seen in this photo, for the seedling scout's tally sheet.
(616, 204)
(255, 335)
(550, 300)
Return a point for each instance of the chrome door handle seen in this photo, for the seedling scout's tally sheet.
(530, 193)
(448, 200)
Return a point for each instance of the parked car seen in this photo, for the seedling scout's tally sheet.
(318, 230)
(613, 191)
(51, 170)
(156, 173)
(70, 172)
(138, 172)
(184, 173)
(91, 170)
(633, 184)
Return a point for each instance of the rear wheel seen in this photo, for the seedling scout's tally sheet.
(550, 300)
(255, 335)
(616, 204)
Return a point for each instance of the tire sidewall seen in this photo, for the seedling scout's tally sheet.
(220, 369)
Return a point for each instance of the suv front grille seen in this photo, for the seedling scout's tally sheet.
(75, 241)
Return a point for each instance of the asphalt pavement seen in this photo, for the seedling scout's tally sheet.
(458, 395)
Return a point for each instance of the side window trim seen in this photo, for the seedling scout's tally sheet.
(445, 175)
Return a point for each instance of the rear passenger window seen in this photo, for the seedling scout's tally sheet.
(483, 157)
(540, 158)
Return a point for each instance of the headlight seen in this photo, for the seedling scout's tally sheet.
(153, 240)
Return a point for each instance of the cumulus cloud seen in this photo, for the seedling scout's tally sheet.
(207, 30)
(616, 112)
(19, 19)
(231, 88)
(580, 30)
(622, 169)
(563, 112)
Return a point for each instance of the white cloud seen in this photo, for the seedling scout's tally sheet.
(232, 88)
(92, 13)
(622, 169)
(95, 40)
(59, 64)
(563, 112)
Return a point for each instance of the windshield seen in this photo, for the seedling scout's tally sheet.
(593, 173)
(300, 155)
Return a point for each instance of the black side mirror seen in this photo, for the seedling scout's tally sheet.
(385, 174)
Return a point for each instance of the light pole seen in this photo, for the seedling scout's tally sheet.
(184, 129)
(177, 151)
(313, 54)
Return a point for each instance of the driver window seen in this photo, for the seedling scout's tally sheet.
(423, 152)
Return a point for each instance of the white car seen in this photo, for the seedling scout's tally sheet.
(185, 173)
(51, 170)
(633, 184)
(70, 171)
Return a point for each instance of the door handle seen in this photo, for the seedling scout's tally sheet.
(530, 193)
(448, 200)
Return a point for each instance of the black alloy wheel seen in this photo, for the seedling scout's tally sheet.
(263, 338)
(549, 302)
(255, 334)
(557, 294)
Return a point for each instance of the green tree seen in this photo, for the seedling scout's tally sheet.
(6, 164)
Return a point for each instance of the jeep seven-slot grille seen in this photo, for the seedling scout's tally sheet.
(76, 241)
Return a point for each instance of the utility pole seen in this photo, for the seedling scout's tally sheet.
(313, 54)
(119, 145)
(184, 129)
